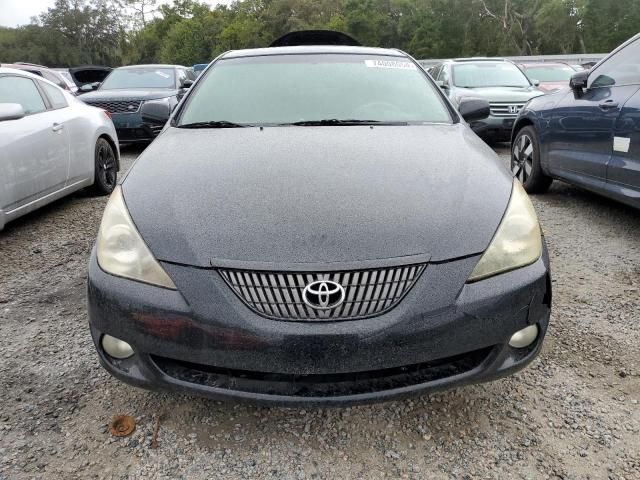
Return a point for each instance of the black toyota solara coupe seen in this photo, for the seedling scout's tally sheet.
(318, 225)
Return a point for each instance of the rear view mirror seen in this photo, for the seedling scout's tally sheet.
(579, 80)
(11, 111)
(473, 109)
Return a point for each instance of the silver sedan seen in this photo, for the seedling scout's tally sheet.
(51, 144)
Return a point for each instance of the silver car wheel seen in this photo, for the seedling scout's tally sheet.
(522, 158)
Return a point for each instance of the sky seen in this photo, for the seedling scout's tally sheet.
(19, 12)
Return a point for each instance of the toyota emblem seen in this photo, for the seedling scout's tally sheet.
(323, 295)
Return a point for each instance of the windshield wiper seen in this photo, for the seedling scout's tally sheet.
(340, 122)
(213, 124)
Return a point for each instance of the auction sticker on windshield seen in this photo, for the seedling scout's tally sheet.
(390, 64)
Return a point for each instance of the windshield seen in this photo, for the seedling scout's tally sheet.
(488, 74)
(557, 73)
(286, 89)
(139, 78)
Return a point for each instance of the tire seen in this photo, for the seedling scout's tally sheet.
(106, 168)
(525, 162)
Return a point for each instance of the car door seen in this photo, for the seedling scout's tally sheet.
(623, 169)
(76, 131)
(35, 151)
(580, 132)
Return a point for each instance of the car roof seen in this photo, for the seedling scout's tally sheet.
(313, 49)
(544, 64)
(478, 59)
(150, 65)
(6, 68)
(24, 66)
(25, 73)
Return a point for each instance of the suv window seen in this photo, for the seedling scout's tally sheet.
(623, 68)
(444, 75)
(182, 76)
(53, 78)
(55, 96)
(21, 90)
(435, 71)
(488, 74)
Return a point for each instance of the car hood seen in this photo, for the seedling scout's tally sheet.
(304, 197)
(132, 94)
(500, 94)
(552, 86)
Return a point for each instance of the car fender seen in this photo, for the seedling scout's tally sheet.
(530, 117)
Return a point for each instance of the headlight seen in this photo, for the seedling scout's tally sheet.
(517, 241)
(121, 250)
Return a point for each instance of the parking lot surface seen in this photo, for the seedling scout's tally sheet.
(573, 413)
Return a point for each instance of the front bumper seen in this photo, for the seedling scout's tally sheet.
(203, 339)
(498, 128)
(131, 129)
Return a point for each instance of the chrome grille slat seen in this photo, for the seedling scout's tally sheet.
(279, 294)
(501, 109)
(116, 106)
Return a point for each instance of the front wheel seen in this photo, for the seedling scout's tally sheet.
(525, 162)
(106, 168)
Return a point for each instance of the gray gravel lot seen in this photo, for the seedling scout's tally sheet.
(572, 414)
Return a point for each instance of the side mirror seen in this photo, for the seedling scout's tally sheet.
(535, 82)
(442, 85)
(89, 87)
(11, 111)
(579, 80)
(187, 84)
(472, 109)
(155, 113)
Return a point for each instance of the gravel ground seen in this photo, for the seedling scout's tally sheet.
(572, 414)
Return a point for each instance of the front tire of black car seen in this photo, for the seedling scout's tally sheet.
(525, 161)
(106, 168)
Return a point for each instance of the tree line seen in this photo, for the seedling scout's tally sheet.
(120, 32)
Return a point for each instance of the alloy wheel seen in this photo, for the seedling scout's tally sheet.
(106, 165)
(522, 158)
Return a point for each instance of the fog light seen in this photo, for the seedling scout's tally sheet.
(525, 337)
(116, 348)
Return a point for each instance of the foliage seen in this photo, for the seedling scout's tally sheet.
(118, 32)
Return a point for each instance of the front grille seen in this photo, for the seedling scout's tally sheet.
(321, 385)
(117, 106)
(500, 109)
(279, 294)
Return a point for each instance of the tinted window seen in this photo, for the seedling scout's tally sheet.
(56, 97)
(556, 73)
(140, 78)
(23, 91)
(444, 75)
(182, 76)
(293, 88)
(488, 74)
(623, 68)
(52, 77)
